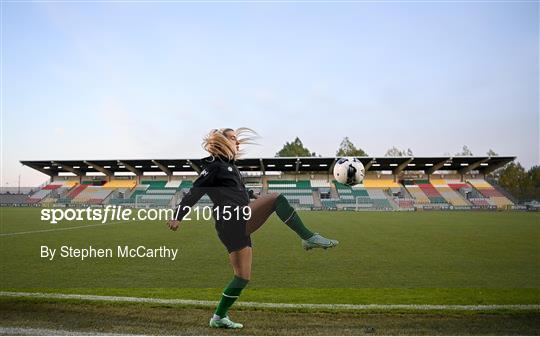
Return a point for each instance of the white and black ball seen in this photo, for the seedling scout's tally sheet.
(349, 171)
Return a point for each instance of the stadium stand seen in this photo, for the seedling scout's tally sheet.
(385, 187)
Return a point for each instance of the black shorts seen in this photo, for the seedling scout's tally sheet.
(233, 235)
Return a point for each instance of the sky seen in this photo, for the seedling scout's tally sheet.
(126, 80)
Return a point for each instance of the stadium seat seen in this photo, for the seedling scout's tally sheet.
(92, 195)
(493, 195)
(319, 183)
(154, 184)
(173, 184)
(418, 195)
(117, 183)
(299, 193)
(386, 182)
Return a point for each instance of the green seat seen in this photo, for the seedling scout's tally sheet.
(154, 184)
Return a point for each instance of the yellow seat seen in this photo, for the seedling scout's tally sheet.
(437, 182)
(117, 183)
(381, 183)
(478, 183)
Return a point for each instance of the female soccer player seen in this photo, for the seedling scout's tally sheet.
(222, 181)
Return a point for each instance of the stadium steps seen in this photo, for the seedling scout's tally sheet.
(108, 198)
(65, 194)
(317, 199)
(333, 192)
(392, 202)
(405, 193)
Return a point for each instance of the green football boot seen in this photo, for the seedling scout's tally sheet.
(224, 323)
(318, 241)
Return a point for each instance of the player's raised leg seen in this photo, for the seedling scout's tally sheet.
(263, 207)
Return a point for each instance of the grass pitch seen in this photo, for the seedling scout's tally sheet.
(107, 318)
(383, 258)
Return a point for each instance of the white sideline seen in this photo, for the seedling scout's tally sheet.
(18, 331)
(63, 228)
(421, 307)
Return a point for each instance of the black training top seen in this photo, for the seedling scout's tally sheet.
(223, 183)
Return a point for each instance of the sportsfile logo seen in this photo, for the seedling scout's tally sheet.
(119, 213)
(105, 214)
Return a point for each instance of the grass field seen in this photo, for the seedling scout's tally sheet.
(384, 258)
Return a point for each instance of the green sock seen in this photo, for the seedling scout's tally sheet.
(230, 294)
(288, 215)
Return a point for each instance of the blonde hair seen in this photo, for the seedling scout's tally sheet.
(217, 144)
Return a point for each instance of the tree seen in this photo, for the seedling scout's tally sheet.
(492, 153)
(347, 149)
(395, 152)
(534, 181)
(465, 152)
(295, 149)
(513, 178)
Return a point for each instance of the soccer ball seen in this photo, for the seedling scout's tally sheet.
(349, 171)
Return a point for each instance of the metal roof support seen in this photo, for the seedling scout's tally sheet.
(130, 168)
(262, 166)
(437, 166)
(368, 165)
(297, 169)
(402, 166)
(472, 166)
(193, 166)
(331, 168)
(492, 168)
(162, 167)
(69, 168)
(99, 168)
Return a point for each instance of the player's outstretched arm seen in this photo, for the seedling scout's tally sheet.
(199, 188)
